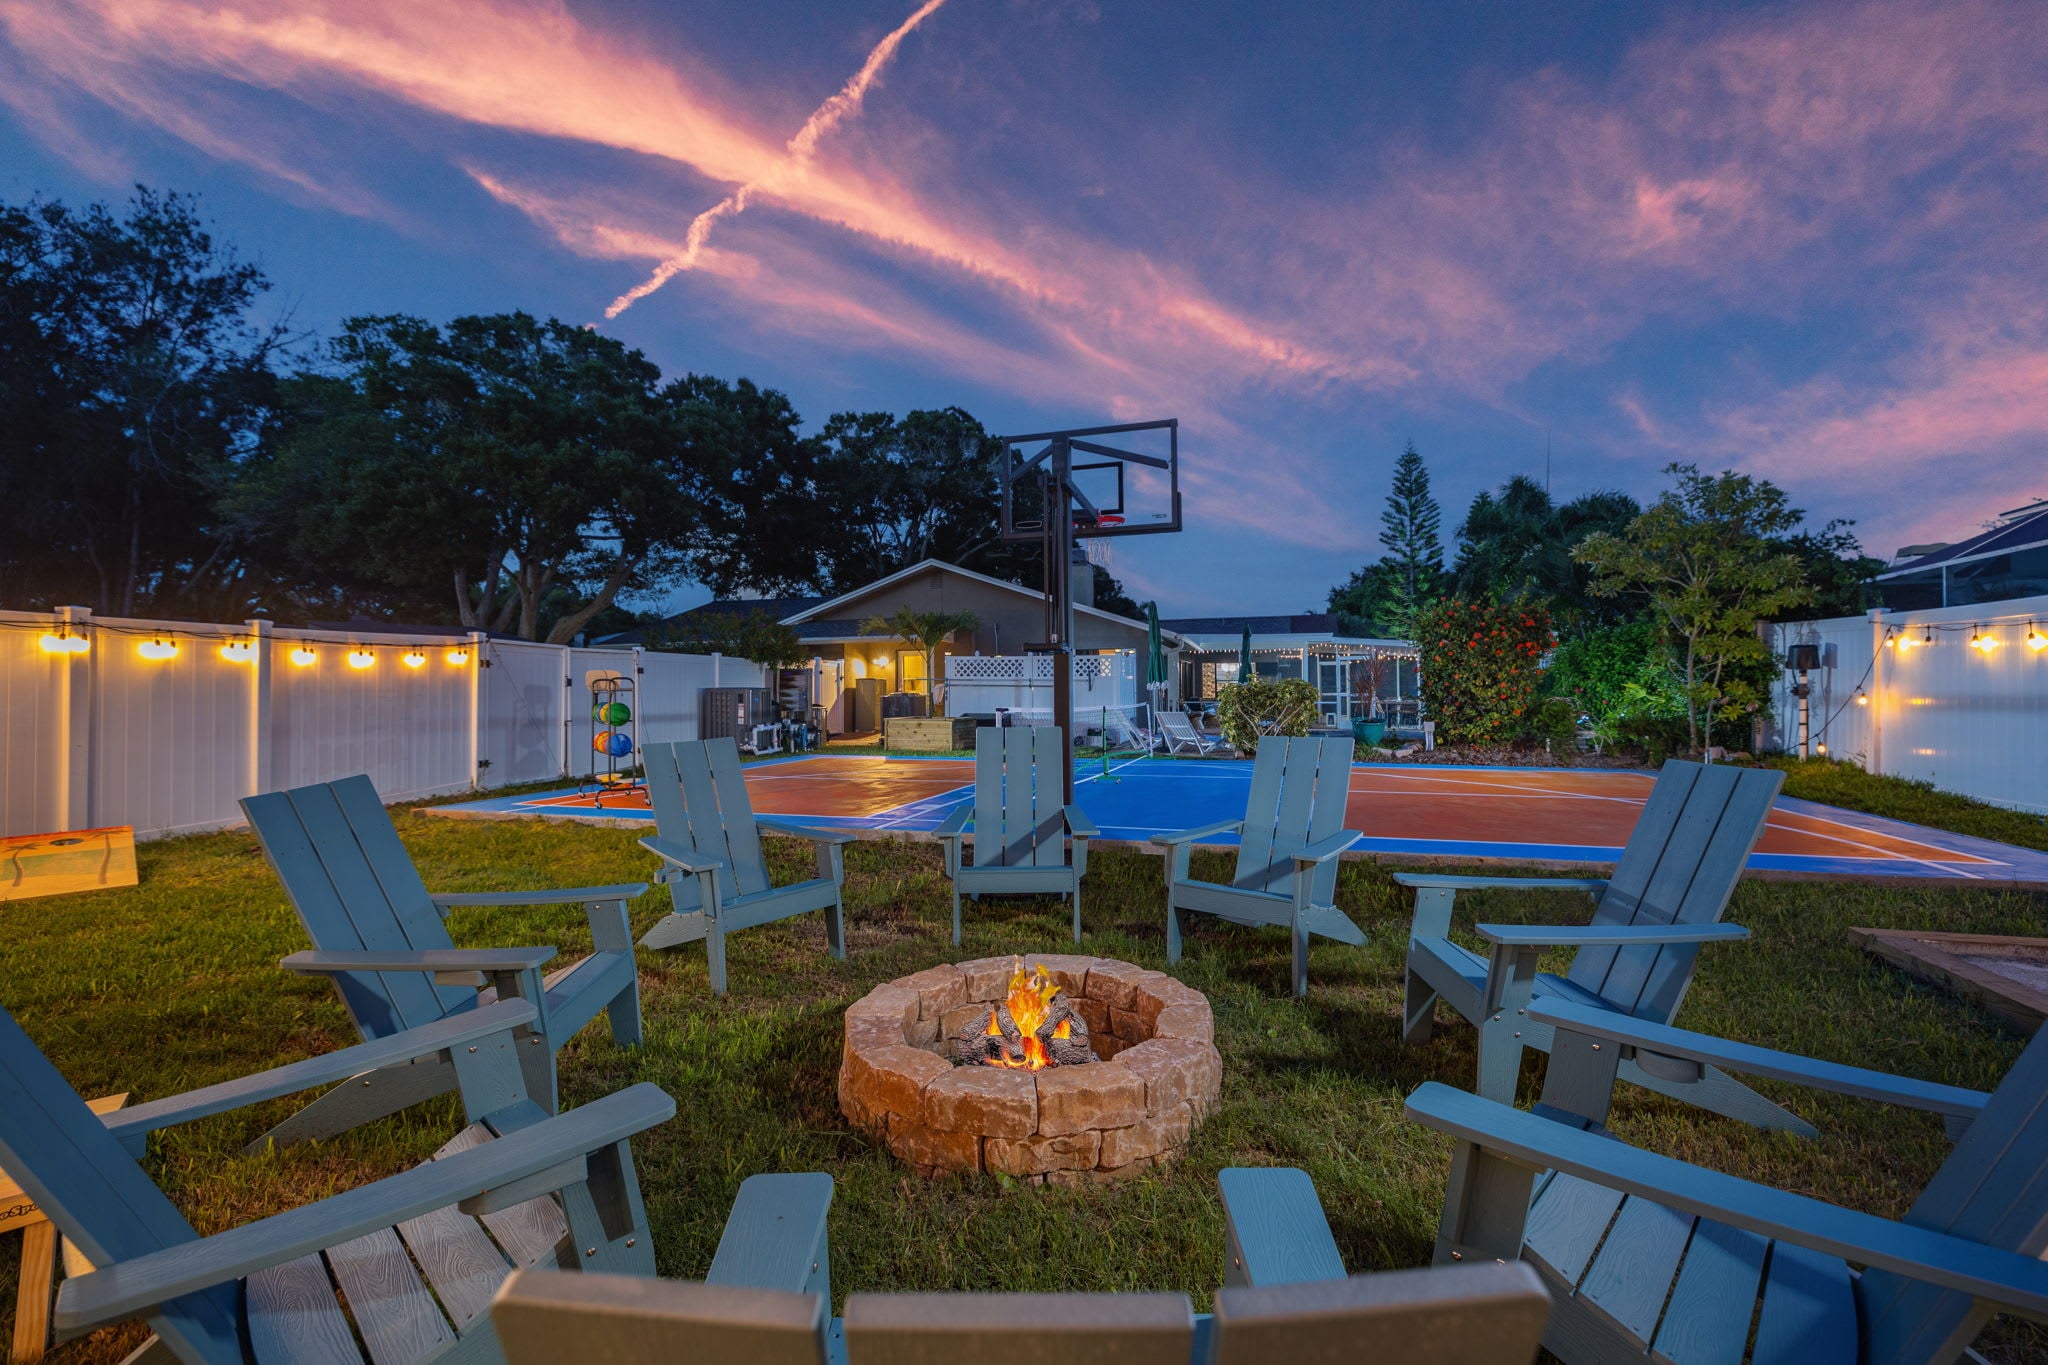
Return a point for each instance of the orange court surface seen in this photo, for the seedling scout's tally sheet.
(1403, 810)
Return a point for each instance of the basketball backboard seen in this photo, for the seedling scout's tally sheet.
(1118, 480)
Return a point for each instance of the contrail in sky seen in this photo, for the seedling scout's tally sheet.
(800, 149)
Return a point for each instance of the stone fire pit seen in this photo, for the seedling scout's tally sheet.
(1157, 1075)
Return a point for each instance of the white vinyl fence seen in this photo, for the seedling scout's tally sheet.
(165, 725)
(1955, 696)
(980, 684)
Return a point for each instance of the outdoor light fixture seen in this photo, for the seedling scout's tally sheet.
(1983, 643)
(238, 651)
(158, 649)
(1821, 748)
(458, 656)
(304, 656)
(64, 642)
(361, 658)
(415, 658)
(2036, 641)
(1861, 699)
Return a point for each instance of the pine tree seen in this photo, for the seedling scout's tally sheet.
(1415, 551)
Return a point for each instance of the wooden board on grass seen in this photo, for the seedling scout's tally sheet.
(74, 860)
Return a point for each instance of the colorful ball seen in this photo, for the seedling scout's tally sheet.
(611, 713)
(618, 745)
(600, 740)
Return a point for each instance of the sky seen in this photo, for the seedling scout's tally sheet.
(1804, 240)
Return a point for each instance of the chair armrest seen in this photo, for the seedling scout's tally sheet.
(954, 826)
(2015, 1282)
(1188, 836)
(1275, 1227)
(689, 860)
(1078, 823)
(774, 1238)
(1760, 1061)
(443, 1035)
(433, 960)
(815, 835)
(1555, 936)
(1428, 881)
(1325, 849)
(624, 891)
(128, 1288)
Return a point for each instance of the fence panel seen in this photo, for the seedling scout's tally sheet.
(32, 732)
(170, 736)
(407, 727)
(524, 712)
(979, 684)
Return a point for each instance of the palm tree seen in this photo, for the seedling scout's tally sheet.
(927, 630)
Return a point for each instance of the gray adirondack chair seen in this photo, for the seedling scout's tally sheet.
(710, 843)
(266, 1290)
(1021, 828)
(1665, 899)
(1179, 735)
(1289, 842)
(1650, 1255)
(763, 1304)
(378, 935)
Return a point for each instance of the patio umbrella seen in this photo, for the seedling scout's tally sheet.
(1155, 651)
(1244, 655)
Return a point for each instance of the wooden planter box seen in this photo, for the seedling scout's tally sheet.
(929, 734)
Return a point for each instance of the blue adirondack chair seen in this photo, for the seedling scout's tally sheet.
(765, 1301)
(266, 1290)
(1645, 1254)
(378, 935)
(1021, 827)
(1288, 846)
(709, 840)
(1665, 899)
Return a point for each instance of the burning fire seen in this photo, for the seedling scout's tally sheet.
(1029, 1002)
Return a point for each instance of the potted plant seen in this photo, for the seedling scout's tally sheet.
(1368, 676)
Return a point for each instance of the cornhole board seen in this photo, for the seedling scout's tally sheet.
(18, 1213)
(68, 861)
(2004, 974)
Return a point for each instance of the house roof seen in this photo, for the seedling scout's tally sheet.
(801, 619)
(2028, 528)
(1307, 623)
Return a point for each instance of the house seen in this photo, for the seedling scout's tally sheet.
(2010, 560)
(1346, 669)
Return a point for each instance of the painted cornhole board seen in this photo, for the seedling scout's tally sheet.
(68, 861)
(2004, 974)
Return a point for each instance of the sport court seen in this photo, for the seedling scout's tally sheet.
(1411, 811)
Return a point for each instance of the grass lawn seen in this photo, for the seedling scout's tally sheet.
(174, 984)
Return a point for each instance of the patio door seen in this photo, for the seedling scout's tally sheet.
(1333, 682)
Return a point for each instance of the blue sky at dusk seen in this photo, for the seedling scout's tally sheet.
(1801, 240)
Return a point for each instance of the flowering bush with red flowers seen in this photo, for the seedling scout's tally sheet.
(1482, 667)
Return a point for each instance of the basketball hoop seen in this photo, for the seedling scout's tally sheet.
(1109, 519)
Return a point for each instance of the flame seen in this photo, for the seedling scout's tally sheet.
(1029, 1001)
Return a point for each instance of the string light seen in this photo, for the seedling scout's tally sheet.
(361, 658)
(1821, 748)
(64, 642)
(415, 658)
(238, 651)
(1983, 643)
(158, 649)
(305, 656)
(2036, 641)
(1860, 699)
(457, 656)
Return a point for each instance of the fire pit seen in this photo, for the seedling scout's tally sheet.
(1058, 1069)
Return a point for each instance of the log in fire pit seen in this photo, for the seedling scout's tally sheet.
(1060, 1068)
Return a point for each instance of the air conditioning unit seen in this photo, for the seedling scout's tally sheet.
(733, 712)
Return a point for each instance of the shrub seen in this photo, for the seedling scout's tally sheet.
(1555, 724)
(1282, 706)
(1481, 667)
(1657, 737)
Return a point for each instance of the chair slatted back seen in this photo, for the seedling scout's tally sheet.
(91, 1189)
(1993, 1189)
(699, 793)
(1130, 1329)
(1681, 865)
(1018, 819)
(1299, 790)
(355, 888)
(1492, 1314)
(544, 1317)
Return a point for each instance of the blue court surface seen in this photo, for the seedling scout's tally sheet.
(1406, 811)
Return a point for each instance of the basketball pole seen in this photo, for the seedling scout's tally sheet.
(1059, 603)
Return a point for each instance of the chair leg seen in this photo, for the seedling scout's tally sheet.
(835, 928)
(956, 914)
(1500, 1060)
(1418, 1016)
(624, 1014)
(1077, 912)
(714, 955)
(1299, 931)
(1173, 929)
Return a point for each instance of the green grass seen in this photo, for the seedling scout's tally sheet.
(174, 984)
(1844, 784)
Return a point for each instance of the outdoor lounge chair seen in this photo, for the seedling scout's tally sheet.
(1637, 956)
(1020, 827)
(1649, 1257)
(378, 935)
(766, 1302)
(1289, 842)
(1180, 736)
(710, 840)
(504, 1194)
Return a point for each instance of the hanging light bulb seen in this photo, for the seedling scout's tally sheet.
(1983, 643)
(457, 656)
(415, 658)
(305, 656)
(361, 658)
(1821, 748)
(158, 649)
(64, 642)
(1861, 699)
(2036, 641)
(238, 651)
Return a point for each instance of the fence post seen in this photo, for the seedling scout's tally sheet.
(260, 777)
(477, 710)
(715, 657)
(72, 722)
(1878, 630)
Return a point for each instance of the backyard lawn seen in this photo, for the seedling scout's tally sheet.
(174, 984)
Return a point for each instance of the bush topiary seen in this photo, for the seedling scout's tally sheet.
(1555, 724)
(1481, 667)
(1265, 706)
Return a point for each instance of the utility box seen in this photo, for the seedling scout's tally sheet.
(733, 712)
